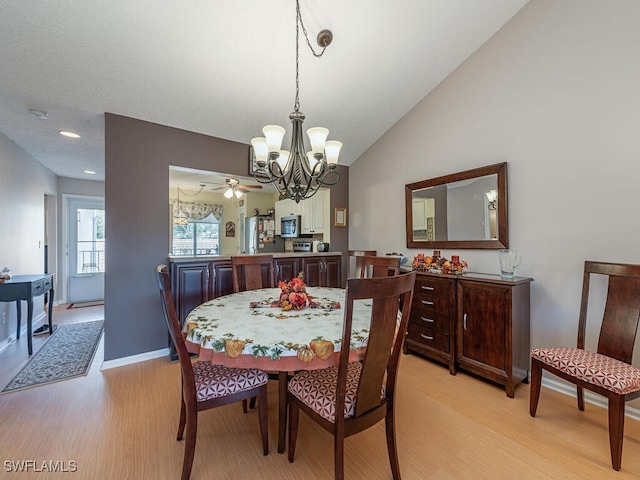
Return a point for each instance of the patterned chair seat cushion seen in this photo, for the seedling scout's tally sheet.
(317, 390)
(591, 367)
(213, 381)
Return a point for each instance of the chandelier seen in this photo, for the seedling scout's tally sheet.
(180, 218)
(298, 174)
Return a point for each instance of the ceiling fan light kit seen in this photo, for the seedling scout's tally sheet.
(297, 173)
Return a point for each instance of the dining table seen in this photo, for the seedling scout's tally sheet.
(251, 330)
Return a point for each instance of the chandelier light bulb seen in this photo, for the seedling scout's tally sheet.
(274, 135)
(318, 137)
(261, 149)
(312, 160)
(283, 159)
(332, 151)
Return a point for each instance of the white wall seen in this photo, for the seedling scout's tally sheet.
(24, 182)
(555, 93)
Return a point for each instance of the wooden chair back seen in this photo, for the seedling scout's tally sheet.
(358, 254)
(173, 324)
(386, 336)
(622, 309)
(252, 272)
(380, 266)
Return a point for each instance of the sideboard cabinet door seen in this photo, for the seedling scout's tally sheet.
(493, 331)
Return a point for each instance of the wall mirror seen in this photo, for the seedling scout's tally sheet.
(462, 210)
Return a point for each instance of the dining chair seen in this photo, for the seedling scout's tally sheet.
(248, 272)
(380, 266)
(363, 392)
(206, 385)
(608, 371)
(358, 254)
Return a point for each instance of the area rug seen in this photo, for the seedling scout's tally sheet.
(85, 304)
(67, 354)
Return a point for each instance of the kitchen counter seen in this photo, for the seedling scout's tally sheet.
(207, 258)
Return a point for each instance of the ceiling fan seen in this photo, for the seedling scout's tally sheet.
(235, 189)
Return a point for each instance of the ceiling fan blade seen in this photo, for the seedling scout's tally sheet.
(259, 187)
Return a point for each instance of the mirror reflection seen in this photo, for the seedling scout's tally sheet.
(462, 210)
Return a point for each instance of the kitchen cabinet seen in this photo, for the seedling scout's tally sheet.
(475, 322)
(313, 213)
(286, 268)
(322, 271)
(190, 286)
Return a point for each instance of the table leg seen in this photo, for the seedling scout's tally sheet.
(29, 324)
(50, 312)
(19, 315)
(282, 410)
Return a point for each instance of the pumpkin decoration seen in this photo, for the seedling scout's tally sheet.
(305, 354)
(322, 348)
(233, 348)
(191, 326)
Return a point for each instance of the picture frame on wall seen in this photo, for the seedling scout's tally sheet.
(340, 217)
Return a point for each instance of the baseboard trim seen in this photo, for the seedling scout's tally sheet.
(594, 399)
(141, 357)
(35, 323)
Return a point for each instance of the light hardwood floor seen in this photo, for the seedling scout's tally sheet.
(121, 424)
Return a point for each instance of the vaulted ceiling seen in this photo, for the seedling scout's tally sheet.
(224, 68)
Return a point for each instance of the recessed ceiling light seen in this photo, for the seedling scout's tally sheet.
(90, 172)
(69, 134)
(39, 114)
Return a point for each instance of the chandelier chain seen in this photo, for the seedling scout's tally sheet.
(300, 23)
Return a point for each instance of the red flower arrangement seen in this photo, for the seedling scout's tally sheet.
(294, 294)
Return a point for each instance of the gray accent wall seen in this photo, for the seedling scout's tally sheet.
(137, 159)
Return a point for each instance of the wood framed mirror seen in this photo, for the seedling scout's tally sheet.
(462, 210)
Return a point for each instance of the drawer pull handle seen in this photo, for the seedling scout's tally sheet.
(426, 302)
(426, 288)
(429, 320)
(426, 337)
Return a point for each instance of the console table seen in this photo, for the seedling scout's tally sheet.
(26, 287)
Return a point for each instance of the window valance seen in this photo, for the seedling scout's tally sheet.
(198, 210)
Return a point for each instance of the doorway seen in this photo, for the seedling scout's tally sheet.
(86, 249)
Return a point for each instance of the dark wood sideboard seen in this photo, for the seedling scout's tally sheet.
(474, 322)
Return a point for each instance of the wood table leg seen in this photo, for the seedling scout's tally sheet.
(282, 410)
(19, 315)
(50, 312)
(29, 325)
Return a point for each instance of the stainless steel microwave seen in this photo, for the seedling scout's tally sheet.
(290, 226)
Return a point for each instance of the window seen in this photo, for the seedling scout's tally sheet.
(196, 238)
(90, 241)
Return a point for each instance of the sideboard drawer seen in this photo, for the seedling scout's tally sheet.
(428, 337)
(429, 318)
(48, 282)
(433, 294)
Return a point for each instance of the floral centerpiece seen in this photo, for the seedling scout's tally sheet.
(439, 264)
(294, 294)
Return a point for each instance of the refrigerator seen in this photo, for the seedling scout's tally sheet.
(261, 236)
